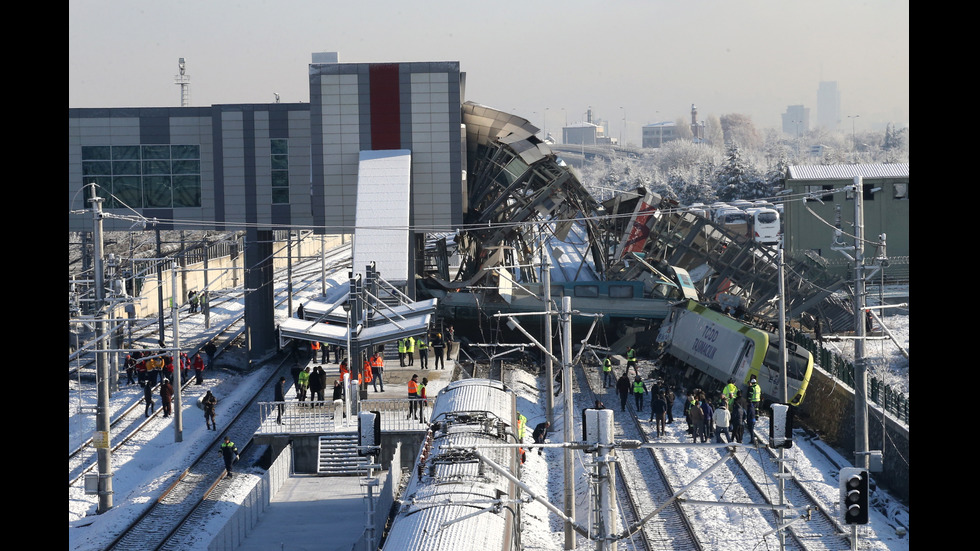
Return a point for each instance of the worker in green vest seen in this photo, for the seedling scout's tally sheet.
(631, 360)
(423, 352)
(401, 352)
(639, 389)
(607, 373)
(410, 350)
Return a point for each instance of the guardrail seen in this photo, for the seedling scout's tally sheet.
(334, 416)
(887, 398)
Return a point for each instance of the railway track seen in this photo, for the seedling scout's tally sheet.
(147, 331)
(750, 478)
(128, 422)
(185, 503)
(200, 486)
(645, 484)
(812, 526)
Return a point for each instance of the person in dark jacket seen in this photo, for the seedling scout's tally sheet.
(314, 383)
(147, 399)
(658, 413)
(539, 434)
(166, 396)
(439, 348)
(209, 402)
(738, 418)
(623, 388)
(697, 422)
(280, 398)
(708, 422)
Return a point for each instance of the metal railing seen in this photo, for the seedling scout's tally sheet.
(334, 416)
(886, 397)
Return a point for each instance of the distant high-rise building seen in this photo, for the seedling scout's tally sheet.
(796, 120)
(828, 105)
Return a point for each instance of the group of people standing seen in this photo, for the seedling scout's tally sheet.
(436, 342)
(150, 366)
(196, 300)
(729, 414)
(311, 384)
(322, 351)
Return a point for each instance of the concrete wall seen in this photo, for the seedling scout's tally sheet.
(305, 450)
(829, 409)
(257, 501)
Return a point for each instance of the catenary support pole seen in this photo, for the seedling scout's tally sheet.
(289, 272)
(177, 363)
(548, 363)
(784, 391)
(566, 360)
(861, 444)
(102, 439)
(607, 482)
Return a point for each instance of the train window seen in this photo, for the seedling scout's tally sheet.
(587, 291)
(620, 291)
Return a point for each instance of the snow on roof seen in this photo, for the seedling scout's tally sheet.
(383, 199)
(848, 172)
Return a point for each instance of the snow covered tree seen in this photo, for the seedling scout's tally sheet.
(736, 178)
(738, 128)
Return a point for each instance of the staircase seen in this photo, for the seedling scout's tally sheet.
(338, 455)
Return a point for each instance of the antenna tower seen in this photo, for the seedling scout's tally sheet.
(184, 81)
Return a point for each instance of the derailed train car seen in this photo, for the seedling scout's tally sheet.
(454, 501)
(725, 348)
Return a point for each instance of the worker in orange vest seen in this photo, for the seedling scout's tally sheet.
(377, 370)
(368, 377)
(413, 397)
(314, 348)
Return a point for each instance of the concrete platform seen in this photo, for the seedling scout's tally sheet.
(311, 513)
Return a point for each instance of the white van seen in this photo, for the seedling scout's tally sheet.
(764, 225)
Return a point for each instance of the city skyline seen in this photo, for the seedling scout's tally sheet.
(639, 61)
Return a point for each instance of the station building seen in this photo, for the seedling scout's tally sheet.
(379, 145)
(810, 223)
(275, 164)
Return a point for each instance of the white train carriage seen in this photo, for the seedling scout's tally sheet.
(453, 501)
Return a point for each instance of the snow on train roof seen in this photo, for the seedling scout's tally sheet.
(424, 530)
(475, 395)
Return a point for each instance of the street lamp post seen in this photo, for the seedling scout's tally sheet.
(622, 131)
(853, 135)
(350, 363)
(544, 138)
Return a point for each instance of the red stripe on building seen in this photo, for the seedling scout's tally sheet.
(385, 107)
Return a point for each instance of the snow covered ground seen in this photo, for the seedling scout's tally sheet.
(726, 527)
(141, 471)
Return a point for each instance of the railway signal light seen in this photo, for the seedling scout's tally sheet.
(854, 490)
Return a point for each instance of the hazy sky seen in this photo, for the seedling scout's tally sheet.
(648, 59)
